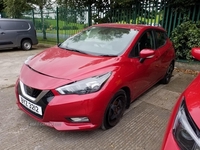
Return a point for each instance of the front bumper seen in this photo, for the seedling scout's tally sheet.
(169, 142)
(57, 109)
(182, 132)
(57, 112)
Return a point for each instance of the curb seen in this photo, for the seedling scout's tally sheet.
(41, 45)
(187, 65)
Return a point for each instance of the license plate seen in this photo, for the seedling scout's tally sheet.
(33, 107)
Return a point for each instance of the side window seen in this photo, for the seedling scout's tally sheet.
(145, 42)
(21, 25)
(161, 38)
(6, 25)
(14, 25)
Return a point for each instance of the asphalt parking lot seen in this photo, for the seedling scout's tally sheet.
(141, 128)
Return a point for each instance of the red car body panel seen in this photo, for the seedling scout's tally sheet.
(192, 96)
(192, 99)
(196, 53)
(169, 141)
(55, 114)
(54, 60)
(56, 67)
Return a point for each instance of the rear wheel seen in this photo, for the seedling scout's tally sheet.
(115, 110)
(168, 74)
(26, 45)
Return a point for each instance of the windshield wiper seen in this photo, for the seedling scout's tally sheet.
(107, 55)
(74, 50)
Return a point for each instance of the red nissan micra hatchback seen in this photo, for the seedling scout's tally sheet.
(183, 130)
(89, 80)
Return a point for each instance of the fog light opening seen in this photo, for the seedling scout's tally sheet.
(79, 119)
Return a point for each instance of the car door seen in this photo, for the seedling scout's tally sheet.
(163, 46)
(144, 74)
(4, 39)
(7, 34)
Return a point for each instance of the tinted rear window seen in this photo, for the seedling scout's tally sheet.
(14, 25)
(161, 38)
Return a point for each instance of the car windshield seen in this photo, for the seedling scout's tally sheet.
(101, 41)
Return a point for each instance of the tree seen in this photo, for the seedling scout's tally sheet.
(101, 6)
(1, 6)
(41, 4)
(182, 5)
(14, 8)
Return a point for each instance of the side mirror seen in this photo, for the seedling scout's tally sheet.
(196, 52)
(146, 53)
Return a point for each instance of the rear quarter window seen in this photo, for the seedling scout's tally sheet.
(14, 25)
(161, 38)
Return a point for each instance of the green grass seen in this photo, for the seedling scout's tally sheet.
(66, 32)
(53, 23)
(51, 41)
(63, 23)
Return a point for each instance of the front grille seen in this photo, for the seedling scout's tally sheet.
(47, 97)
(43, 102)
(32, 91)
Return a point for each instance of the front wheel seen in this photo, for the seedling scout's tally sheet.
(115, 110)
(168, 74)
(26, 45)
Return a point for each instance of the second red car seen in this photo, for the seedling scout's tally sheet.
(183, 130)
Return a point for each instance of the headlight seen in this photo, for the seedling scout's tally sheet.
(184, 130)
(28, 59)
(89, 85)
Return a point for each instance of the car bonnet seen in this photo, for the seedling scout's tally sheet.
(60, 63)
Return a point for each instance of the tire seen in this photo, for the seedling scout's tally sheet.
(26, 45)
(115, 110)
(168, 74)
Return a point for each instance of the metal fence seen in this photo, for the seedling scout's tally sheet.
(54, 26)
(57, 24)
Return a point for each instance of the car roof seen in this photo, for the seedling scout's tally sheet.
(10, 19)
(129, 26)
